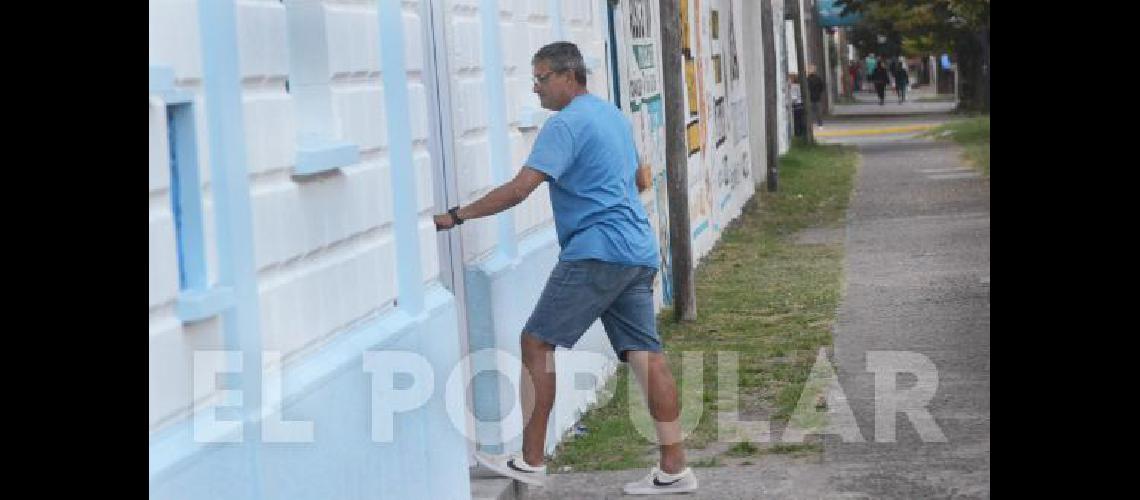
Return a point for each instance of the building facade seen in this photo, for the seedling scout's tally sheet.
(311, 335)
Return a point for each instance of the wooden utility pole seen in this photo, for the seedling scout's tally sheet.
(793, 12)
(772, 144)
(676, 163)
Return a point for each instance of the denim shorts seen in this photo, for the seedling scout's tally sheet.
(580, 291)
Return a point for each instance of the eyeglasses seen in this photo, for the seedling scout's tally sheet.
(541, 78)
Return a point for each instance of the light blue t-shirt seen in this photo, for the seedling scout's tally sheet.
(588, 155)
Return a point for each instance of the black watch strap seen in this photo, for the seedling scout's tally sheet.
(454, 211)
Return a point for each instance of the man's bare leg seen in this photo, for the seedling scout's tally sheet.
(652, 371)
(537, 395)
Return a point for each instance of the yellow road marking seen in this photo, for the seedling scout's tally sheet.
(873, 131)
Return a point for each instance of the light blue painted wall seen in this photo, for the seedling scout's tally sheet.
(331, 389)
(555, 10)
(233, 214)
(403, 173)
(507, 242)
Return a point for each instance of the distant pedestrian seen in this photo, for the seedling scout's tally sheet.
(880, 78)
(799, 128)
(856, 85)
(815, 93)
(894, 66)
(902, 81)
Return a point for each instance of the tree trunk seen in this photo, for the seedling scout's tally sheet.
(984, 81)
(972, 51)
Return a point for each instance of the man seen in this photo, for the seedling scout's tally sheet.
(815, 91)
(902, 81)
(880, 78)
(799, 128)
(606, 266)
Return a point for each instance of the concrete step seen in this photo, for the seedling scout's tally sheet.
(499, 488)
(487, 485)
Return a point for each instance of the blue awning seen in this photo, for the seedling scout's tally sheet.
(830, 14)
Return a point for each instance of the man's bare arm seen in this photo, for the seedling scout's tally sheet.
(501, 198)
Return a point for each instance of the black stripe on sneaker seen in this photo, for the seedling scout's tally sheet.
(511, 464)
(657, 482)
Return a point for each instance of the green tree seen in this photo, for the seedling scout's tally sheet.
(922, 27)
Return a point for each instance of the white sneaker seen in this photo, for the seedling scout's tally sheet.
(514, 467)
(660, 483)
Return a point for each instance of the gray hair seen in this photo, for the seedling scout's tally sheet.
(563, 56)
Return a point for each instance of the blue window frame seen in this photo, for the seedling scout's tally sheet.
(197, 300)
(186, 197)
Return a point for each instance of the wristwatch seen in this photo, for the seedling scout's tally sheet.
(454, 211)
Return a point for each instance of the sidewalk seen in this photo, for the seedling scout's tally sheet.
(867, 122)
(868, 104)
(918, 273)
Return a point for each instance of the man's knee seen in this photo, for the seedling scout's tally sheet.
(651, 360)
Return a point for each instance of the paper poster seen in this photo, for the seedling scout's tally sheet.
(693, 137)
